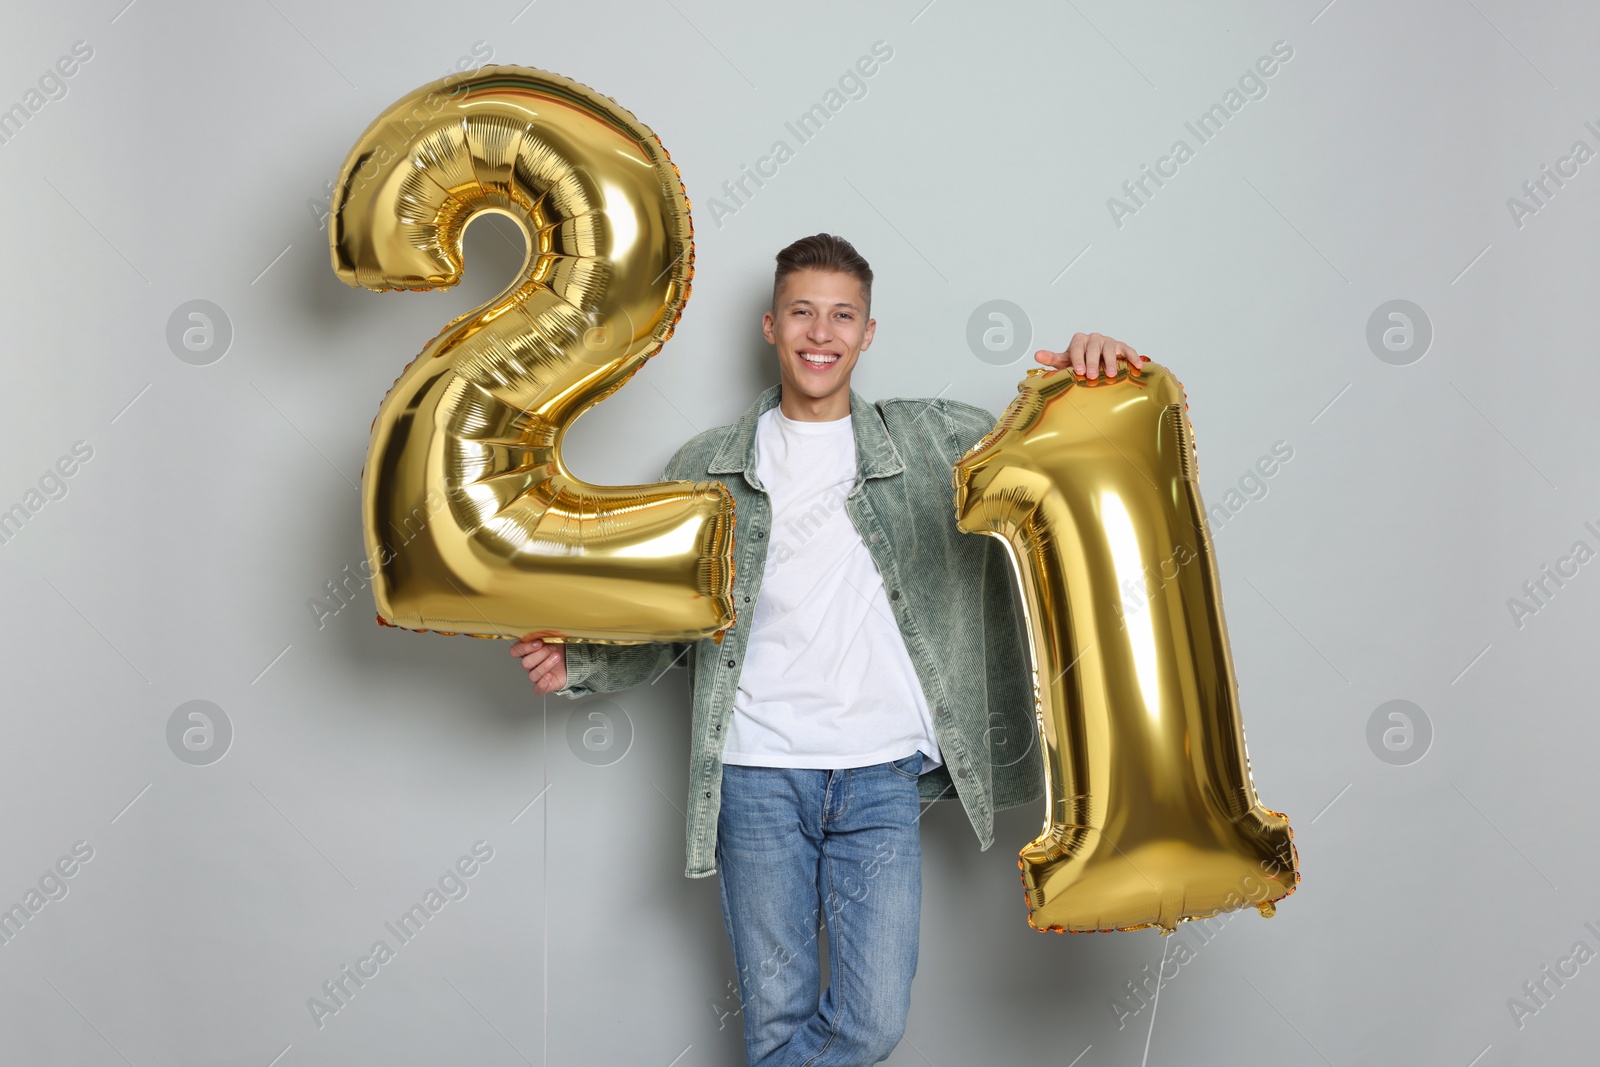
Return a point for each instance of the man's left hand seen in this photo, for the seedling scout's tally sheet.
(1090, 353)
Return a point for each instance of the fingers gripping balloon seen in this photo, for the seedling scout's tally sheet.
(473, 524)
(1151, 815)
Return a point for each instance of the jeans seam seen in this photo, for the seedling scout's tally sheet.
(834, 937)
(733, 946)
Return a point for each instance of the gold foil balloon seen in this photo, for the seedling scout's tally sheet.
(473, 523)
(1151, 816)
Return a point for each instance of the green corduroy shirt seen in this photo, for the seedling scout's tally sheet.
(954, 596)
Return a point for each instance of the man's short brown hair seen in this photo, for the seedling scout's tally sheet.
(823, 251)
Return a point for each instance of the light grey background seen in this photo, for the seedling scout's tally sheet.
(187, 161)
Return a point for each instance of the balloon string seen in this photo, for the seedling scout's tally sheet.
(1155, 1003)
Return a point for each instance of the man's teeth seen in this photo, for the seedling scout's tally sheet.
(818, 358)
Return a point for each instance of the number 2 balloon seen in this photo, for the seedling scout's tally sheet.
(473, 524)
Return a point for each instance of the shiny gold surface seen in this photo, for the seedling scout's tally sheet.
(473, 523)
(1151, 815)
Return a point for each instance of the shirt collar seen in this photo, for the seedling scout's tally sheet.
(876, 454)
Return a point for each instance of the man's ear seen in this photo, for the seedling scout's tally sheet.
(866, 340)
(767, 323)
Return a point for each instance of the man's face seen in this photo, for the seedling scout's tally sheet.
(819, 325)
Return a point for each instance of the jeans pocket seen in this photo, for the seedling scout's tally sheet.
(908, 766)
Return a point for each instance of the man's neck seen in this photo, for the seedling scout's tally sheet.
(801, 408)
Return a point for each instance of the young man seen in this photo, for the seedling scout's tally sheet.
(882, 664)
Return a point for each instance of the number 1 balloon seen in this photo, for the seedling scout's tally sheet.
(1151, 816)
(472, 522)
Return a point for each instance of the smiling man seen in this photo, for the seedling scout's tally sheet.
(877, 661)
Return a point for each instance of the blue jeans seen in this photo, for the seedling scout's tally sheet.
(798, 846)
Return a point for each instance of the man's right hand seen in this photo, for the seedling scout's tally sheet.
(545, 663)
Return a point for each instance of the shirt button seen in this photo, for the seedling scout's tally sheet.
(874, 538)
(747, 600)
(708, 796)
(942, 713)
(894, 594)
(961, 772)
(730, 663)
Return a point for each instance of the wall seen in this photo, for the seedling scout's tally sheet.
(222, 878)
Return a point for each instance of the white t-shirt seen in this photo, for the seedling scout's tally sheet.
(827, 681)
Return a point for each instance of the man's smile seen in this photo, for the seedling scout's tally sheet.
(820, 358)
